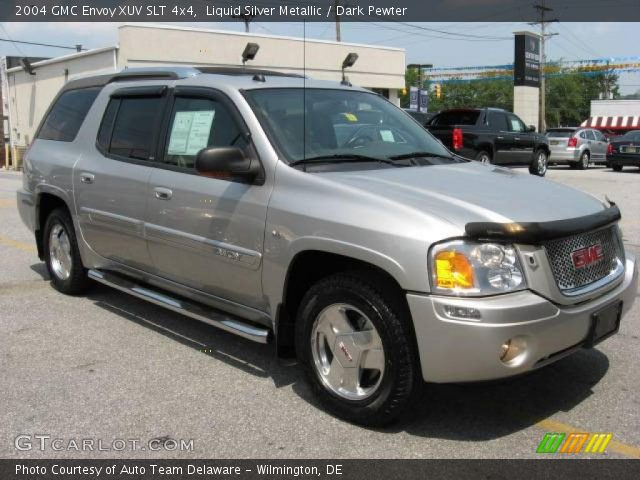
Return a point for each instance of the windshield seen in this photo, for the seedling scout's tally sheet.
(311, 123)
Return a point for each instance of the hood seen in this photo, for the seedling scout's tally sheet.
(472, 192)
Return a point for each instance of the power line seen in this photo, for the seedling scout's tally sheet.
(76, 48)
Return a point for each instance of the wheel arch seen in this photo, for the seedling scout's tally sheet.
(46, 202)
(309, 266)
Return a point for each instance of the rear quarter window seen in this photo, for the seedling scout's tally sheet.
(65, 117)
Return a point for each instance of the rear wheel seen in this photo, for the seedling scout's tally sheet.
(583, 163)
(62, 255)
(484, 157)
(616, 168)
(357, 349)
(539, 164)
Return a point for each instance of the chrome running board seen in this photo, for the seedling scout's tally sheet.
(185, 307)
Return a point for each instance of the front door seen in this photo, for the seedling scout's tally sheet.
(111, 178)
(203, 232)
(503, 143)
(524, 141)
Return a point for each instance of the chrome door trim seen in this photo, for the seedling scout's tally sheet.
(228, 252)
(113, 221)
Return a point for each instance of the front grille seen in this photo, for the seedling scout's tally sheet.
(567, 276)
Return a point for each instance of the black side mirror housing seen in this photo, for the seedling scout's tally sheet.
(531, 128)
(226, 162)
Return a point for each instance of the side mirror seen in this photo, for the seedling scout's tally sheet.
(531, 128)
(226, 162)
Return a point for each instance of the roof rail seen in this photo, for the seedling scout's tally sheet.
(245, 71)
(133, 74)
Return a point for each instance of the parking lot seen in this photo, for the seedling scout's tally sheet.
(109, 366)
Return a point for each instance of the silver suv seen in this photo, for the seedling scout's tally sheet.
(322, 218)
(577, 146)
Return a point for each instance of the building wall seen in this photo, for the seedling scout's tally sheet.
(526, 104)
(31, 95)
(615, 108)
(376, 67)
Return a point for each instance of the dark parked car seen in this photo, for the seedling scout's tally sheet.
(624, 151)
(492, 135)
(422, 117)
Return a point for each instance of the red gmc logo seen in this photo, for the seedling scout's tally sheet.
(587, 256)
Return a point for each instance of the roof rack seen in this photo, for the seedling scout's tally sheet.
(245, 71)
(132, 74)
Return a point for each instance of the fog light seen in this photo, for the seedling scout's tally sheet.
(464, 313)
(513, 351)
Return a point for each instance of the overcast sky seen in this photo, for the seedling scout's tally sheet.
(575, 40)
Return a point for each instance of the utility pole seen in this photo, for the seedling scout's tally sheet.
(246, 19)
(542, 12)
(338, 36)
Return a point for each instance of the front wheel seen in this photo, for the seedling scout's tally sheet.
(616, 168)
(357, 349)
(539, 164)
(62, 255)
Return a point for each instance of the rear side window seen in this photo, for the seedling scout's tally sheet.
(67, 114)
(497, 121)
(129, 127)
(458, 117)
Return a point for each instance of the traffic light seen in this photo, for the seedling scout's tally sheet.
(438, 89)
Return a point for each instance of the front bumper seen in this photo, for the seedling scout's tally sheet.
(453, 350)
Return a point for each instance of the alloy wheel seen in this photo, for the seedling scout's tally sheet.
(60, 252)
(347, 352)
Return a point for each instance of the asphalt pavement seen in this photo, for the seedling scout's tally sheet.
(107, 367)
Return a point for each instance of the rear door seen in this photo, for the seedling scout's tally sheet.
(524, 142)
(504, 138)
(599, 151)
(206, 233)
(111, 178)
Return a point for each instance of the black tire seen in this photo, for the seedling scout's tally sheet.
(583, 163)
(77, 281)
(536, 167)
(401, 380)
(616, 168)
(484, 157)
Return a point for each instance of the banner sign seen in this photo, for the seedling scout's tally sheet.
(526, 69)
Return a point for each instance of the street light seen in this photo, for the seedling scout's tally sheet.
(348, 62)
(250, 52)
(419, 66)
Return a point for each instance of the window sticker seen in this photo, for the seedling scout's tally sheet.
(351, 117)
(387, 136)
(190, 132)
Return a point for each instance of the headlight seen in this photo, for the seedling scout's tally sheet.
(474, 268)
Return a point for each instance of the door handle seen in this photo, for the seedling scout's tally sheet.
(500, 138)
(87, 178)
(163, 193)
(517, 138)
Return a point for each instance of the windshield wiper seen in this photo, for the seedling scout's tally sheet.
(346, 157)
(406, 156)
